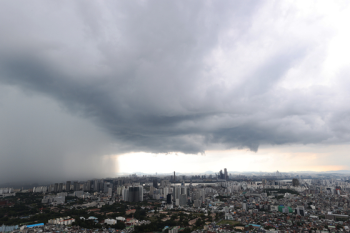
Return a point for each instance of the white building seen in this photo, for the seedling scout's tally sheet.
(125, 194)
(228, 216)
(110, 221)
(62, 221)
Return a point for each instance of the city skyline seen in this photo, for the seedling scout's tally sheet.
(219, 202)
(172, 178)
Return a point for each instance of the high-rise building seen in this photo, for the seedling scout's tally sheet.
(55, 189)
(155, 183)
(183, 200)
(96, 186)
(197, 203)
(141, 193)
(177, 192)
(60, 187)
(135, 194)
(152, 190)
(225, 174)
(76, 186)
(109, 192)
(125, 194)
(183, 190)
(202, 195)
(119, 191)
(86, 186)
(165, 191)
(68, 186)
(106, 186)
(221, 175)
(168, 199)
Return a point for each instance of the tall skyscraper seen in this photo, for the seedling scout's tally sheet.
(225, 173)
(168, 199)
(135, 194)
(177, 192)
(202, 194)
(68, 186)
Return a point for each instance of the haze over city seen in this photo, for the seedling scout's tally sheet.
(95, 89)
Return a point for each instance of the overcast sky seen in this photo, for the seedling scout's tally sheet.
(83, 82)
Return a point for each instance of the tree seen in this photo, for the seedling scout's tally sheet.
(120, 225)
(140, 214)
(199, 222)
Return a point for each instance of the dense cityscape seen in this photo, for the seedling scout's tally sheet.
(221, 202)
(176, 116)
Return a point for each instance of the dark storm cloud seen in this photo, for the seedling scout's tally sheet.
(163, 76)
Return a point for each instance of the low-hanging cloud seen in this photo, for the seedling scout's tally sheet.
(164, 76)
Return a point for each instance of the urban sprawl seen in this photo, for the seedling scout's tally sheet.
(222, 202)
